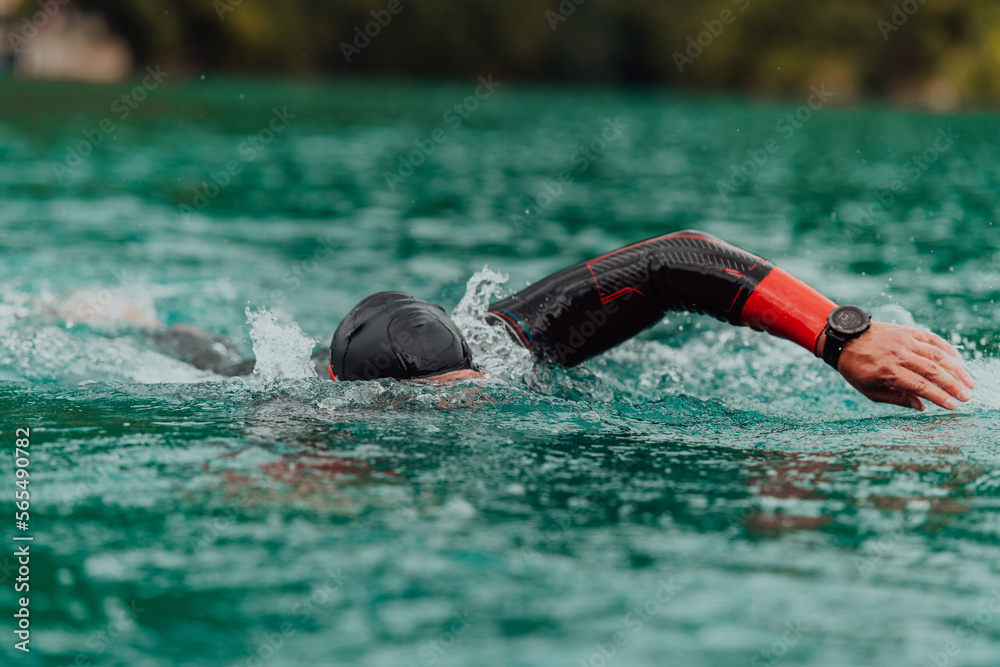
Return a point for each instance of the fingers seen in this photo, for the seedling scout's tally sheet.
(920, 385)
(936, 341)
(895, 397)
(950, 363)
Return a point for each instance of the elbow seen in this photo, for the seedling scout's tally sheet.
(693, 233)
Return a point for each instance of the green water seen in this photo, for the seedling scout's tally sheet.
(702, 496)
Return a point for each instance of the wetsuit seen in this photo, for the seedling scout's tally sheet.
(565, 318)
(592, 306)
(213, 353)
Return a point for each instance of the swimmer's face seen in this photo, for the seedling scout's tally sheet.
(455, 376)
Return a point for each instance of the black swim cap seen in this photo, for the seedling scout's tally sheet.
(396, 335)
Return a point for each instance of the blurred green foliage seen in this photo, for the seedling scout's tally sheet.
(930, 51)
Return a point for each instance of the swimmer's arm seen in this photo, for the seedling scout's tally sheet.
(105, 308)
(583, 310)
(901, 365)
(889, 363)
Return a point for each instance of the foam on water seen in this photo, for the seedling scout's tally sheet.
(282, 351)
(40, 341)
(492, 348)
(987, 392)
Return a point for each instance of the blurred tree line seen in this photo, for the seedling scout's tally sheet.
(911, 49)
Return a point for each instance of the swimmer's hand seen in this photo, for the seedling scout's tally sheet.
(896, 364)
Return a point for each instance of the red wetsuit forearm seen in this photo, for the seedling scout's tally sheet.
(784, 306)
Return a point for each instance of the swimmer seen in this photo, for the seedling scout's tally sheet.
(588, 308)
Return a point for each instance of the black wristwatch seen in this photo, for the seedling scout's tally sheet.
(843, 324)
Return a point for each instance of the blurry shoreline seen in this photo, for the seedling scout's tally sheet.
(909, 54)
(215, 79)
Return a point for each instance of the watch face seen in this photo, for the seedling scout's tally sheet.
(849, 320)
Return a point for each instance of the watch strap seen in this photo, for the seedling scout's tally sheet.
(833, 347)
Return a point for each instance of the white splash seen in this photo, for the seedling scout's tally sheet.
(894, 314)
(282, 351)
(987, 375)
(492, 348)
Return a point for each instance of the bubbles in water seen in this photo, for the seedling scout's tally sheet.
(492, 348)
(987, 375)
(282, 351)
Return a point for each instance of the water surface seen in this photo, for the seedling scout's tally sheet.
(701, 496)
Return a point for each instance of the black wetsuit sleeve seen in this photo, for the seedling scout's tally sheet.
(202, 350)
(209, 352)
(592, 306)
